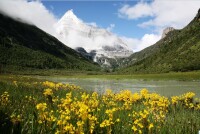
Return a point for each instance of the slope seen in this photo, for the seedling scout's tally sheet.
(26, 46)
(178, 51)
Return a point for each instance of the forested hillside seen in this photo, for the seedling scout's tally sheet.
(178, 51)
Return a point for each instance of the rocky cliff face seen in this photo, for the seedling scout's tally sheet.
(83, 52)
(166, 31)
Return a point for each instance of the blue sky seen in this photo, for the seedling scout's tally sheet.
(103, 13)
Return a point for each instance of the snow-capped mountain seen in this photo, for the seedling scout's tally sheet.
(73, 32)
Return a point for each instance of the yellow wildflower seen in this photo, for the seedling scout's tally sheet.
(150, 126)
(48, 91)
(134, 128)
(41, 106)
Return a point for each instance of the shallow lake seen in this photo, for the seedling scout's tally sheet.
(166, 88)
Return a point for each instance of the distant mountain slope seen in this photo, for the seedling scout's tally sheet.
(178, 51)
(25, 45)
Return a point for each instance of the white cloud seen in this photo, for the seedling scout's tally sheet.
(162, 14)
(139, 44)
(177, 13)
(80, 37)
(33, 12)
(110, 28)
(94, 24)
(139, 10)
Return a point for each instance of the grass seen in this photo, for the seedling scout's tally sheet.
(29, 105)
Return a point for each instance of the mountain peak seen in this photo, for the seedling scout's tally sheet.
(69, 15)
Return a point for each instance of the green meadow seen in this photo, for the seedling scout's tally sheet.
(29, 105)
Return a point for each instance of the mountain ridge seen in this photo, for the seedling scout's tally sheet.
(178, 51)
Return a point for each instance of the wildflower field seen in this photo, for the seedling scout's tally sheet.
(29, 105)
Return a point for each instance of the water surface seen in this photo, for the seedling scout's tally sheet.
(166, 88)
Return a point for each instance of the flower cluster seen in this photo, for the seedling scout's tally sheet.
(62, 86)
(64, 108)
(141, 122)
(4, 99)
(48, 92)
(187, 100)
